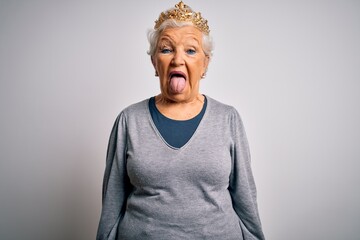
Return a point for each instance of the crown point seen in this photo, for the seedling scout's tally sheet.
(183, 13)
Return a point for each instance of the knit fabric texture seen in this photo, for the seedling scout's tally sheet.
(203, 190)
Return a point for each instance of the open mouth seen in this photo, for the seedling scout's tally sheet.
(177, 74)
(177, 81)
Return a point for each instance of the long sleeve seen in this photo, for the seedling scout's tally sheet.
(116, 184)
(242, 186)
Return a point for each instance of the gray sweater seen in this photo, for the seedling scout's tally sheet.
(203, 190)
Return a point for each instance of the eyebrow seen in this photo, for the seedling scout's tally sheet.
(167, 38)
(196, 40)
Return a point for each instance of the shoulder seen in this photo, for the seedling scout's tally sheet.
(133, 113)
(135, 109)
(225, 114)
(229, 118)
(218, 108)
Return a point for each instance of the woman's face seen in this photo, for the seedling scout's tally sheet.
(180, 62)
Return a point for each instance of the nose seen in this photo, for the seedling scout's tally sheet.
(178, 58)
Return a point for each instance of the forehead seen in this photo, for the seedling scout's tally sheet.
(180, 34)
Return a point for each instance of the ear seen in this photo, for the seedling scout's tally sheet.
(206, 63)
(153, 62)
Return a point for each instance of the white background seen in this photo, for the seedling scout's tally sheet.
(291, 68)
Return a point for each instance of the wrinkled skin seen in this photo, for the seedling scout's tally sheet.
(180, 49)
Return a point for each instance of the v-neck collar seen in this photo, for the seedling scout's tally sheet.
(190, 139)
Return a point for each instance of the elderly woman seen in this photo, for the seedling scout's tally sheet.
(178, 164)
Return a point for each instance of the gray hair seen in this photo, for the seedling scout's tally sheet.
(153, 36)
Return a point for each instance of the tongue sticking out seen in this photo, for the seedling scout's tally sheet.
(177, 84)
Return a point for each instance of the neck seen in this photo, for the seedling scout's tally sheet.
(180, 110)
(160, 99)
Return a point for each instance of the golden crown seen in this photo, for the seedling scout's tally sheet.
(183, 13)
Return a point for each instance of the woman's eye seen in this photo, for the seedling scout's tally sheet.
(190, 51)
(165, 50)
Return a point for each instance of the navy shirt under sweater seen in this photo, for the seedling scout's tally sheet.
(175, 132)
